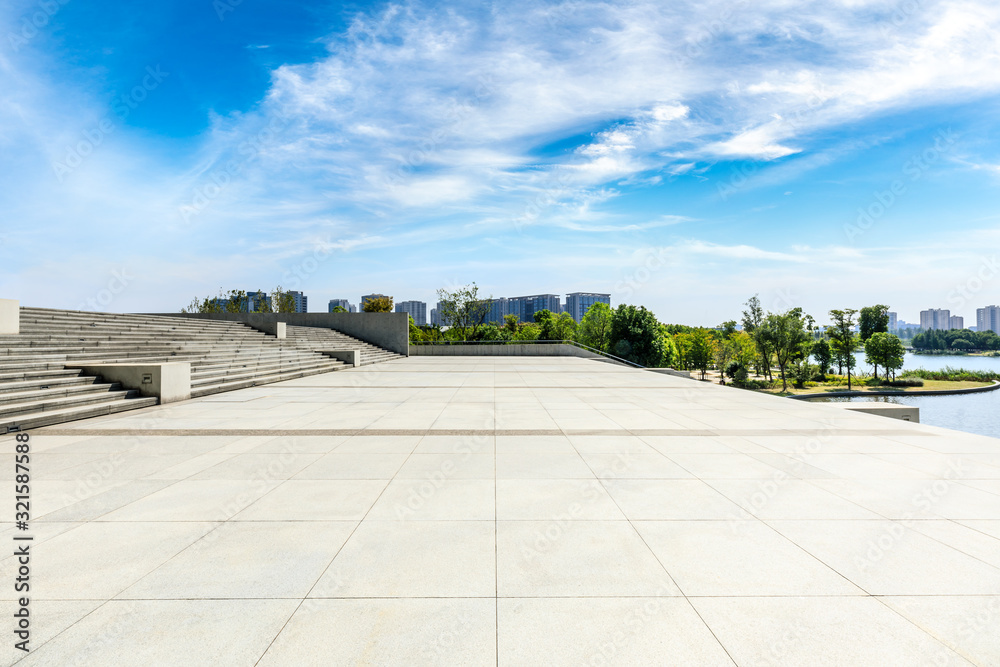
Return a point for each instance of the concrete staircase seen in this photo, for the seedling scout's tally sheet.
(37, 390)
(316, 338)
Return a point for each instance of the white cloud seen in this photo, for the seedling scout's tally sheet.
(424, 123)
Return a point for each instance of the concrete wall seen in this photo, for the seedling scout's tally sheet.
(169, 381)
(513, 350)
(10, 316)
(390, 331)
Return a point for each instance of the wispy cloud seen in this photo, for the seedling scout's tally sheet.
(426, 125)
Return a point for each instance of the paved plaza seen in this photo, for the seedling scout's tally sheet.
(512, 511)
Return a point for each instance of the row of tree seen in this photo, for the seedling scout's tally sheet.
(239, 301)
(630, 332)
(962, 340)
(768, 343)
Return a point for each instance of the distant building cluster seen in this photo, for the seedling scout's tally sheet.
(525, 307)
(256, 301)
(988, 319)
(941, 319)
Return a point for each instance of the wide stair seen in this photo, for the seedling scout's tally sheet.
(316, 338)
(36, 388)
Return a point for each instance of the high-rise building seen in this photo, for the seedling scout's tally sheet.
(256, 300)
(437, 316)
(343, 303)
(361, 304)
(416, 309)
(956, 322)
(893, 321)
(525, 307)
(301, 301)
(988, 319)
(499, 309)
(578, 303)
(935, 318)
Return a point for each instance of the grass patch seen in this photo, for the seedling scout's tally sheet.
(929, 385)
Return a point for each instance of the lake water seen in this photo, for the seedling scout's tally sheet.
(972, 413)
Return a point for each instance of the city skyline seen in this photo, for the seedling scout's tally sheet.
(691, 156)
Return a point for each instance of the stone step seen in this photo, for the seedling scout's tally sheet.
(215, 376)
(49, 417)
(18, 376)
(47, 383)
(53, 391)
(50, 403)
(206, 390)
(223, 355)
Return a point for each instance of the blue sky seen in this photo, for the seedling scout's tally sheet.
(679, 155)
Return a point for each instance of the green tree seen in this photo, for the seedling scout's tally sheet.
(595, 327)
(702, 350)
(885, 350)
(464, 309)
(339, 309)
(635, 336)
(753, 321)
(670, 355)
(842, 339)
(822, 354)
(872, 320)
(563, 327)
(283, 302)
(378, 304)
(787, 337)
(682, 343)
(529, 331)
(895, 355)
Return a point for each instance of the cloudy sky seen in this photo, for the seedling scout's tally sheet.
(679, 155)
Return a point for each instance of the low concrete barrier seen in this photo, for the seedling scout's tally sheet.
(390, 331)
(168, 382)
(670, 371)
(349, 357)
(907, 413)
(10, 316)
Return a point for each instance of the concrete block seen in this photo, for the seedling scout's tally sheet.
(10, 316)
(349, 357)
(168, 382)
(271, 328)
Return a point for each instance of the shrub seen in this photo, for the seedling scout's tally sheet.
(906, 382)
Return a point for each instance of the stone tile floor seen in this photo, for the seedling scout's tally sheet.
(514, 511)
